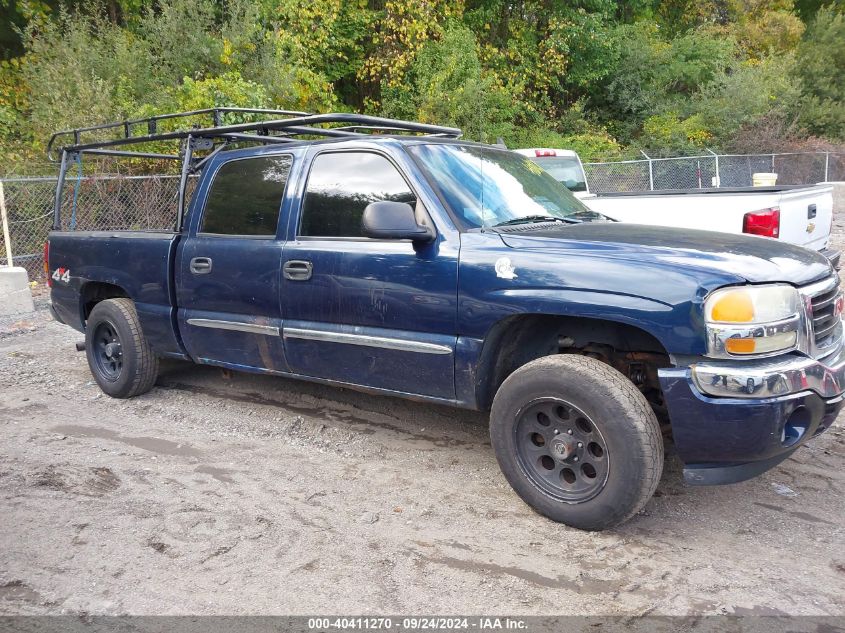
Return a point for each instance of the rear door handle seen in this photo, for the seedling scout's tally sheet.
(201, 265)
(297, 270)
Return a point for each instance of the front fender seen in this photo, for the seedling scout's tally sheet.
(652, 316)
(497, 282)
(590, 311)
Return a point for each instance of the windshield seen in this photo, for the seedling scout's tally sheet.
(487, 187)
(566, 170)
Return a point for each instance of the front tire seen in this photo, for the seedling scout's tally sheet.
(577, 441)
(120, 359)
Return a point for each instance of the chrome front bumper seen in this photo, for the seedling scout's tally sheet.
(773, 377)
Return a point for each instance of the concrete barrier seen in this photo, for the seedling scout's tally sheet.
(15, 295)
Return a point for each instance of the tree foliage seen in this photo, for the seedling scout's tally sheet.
(606, 78)
(821, 62)
(446, 84)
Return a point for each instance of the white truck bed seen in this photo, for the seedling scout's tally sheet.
(806, 212)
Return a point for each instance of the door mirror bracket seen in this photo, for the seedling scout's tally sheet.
(394, 221)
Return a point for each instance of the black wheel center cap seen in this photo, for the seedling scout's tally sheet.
(562, 448)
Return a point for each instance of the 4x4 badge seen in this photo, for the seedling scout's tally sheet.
(62, 274)
(504, 268)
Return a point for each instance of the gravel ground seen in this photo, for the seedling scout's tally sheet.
(223, 493)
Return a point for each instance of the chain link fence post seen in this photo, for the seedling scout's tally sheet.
(650, 171)
(7, 238)
(717, 182)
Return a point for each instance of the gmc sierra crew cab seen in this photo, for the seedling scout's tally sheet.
(395, 258)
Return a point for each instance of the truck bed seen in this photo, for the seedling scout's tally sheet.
(140, 262)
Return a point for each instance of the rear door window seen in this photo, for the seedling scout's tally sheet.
(246, 196)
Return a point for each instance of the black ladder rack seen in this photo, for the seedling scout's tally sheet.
(73, 144)
(296, 124)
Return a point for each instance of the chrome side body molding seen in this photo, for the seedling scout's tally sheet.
(237, 326)
(366, 340)
(347, 338)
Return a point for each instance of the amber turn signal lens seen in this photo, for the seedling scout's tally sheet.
(741, 345)
(734, 307)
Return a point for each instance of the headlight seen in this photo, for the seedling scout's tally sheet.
(752, 320)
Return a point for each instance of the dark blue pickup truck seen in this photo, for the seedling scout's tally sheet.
(411, 263)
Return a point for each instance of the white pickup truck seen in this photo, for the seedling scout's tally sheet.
(798, 214)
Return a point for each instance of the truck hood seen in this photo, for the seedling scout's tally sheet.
(753, 259)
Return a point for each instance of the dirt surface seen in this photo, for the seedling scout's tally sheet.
(222, 493)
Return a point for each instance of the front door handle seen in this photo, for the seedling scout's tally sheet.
(201, 265)
(297, 270)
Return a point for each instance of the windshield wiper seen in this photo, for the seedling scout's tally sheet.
(529, 219)
(586, 213)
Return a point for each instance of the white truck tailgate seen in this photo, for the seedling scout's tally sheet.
(806, 216)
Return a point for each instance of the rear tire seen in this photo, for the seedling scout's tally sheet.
(120, 359)
(577, 441)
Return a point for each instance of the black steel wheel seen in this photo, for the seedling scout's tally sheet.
(561, 449)
(119, 356)
(108, 353)
(577, 441)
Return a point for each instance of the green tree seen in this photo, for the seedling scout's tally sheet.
(821, 67)
(762, 27)
(182, 37)
(82, 69)
(750, 93)
(807, 9)
(403, 28)
(676, 17)
(548, 55)
(603, 77)
(655, 77)
(330, 38)
(446, 84)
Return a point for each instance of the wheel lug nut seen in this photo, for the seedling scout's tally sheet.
(569, 431)
(575, 459)
(580, 444)
(557, 431)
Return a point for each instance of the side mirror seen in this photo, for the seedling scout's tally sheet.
(394, 221)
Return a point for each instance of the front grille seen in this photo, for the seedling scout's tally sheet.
(826, 321)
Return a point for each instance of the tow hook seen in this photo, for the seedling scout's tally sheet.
(80, 346)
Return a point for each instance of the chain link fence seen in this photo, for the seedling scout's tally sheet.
(713, 170)
(88, 203)
(29, 210)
